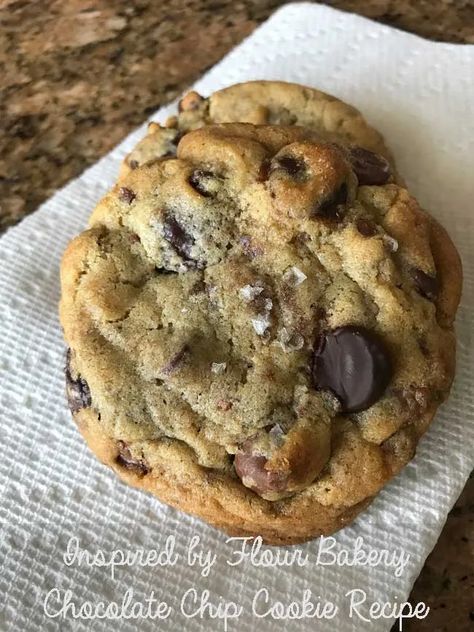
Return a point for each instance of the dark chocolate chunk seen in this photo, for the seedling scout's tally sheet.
(127, 195)
(332, 208)
(77, 390)
(370, 168)
(198, 181)
(292, 166)
(175, 234)
(125, 459)
(366, 227)
(133, 164)
(426, 284)
(354, 364)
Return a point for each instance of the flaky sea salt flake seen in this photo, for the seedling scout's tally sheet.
(261, 323)
(218, 367)
(290, 341)
(391, 243)
(250, 292)
(294, 276)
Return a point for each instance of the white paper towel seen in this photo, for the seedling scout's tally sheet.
(420, 95)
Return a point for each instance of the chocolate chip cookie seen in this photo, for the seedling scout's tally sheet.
(260, 330)
(261, 103)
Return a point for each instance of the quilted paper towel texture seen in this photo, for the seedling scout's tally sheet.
(419, 95)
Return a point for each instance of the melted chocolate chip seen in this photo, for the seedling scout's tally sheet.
(77, 390)
(126, 195)
(197, 181)
(264, 171)
(332, 208)
(353, 363)
(426, 284)
(133, 164)
(164, 271)
(366, 227)
(292, 166)
(176, 361)
(125, 459)
(370, 168)
(251, 470)
(175, 234)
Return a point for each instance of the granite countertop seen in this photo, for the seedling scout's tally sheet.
(77, 76)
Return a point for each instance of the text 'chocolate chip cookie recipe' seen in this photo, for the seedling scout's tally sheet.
(260, 329)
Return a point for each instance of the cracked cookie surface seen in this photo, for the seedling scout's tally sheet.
(260, 103)
(257, 336)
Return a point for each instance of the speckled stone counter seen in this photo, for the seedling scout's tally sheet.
(77, 76)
